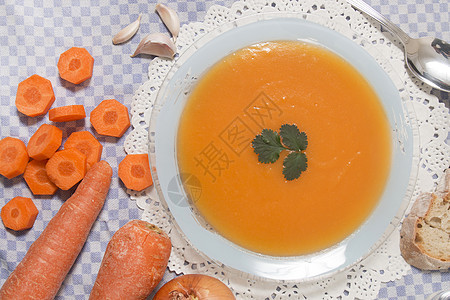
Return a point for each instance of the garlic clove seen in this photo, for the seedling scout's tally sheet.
(157, 44)
(169, 18)
(127, 32)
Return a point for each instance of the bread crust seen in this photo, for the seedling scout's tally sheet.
(410, 250)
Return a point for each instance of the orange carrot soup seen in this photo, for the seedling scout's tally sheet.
(348, 154)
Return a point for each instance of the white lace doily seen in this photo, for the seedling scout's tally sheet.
(385, 263)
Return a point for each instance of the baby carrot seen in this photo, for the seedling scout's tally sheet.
(87, 144)
(48, 260)
(110, 118)
(67, 113)
(75, 65)
(66, 168)
(13, 157)
(134, 262)
(44, 142)
(37, 180)
(134, 171)
(34, 96)
(19, 213)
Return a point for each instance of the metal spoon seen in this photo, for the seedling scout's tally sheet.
(428, 58)
(442, 295)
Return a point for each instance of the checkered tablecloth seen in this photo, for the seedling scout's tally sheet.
(33, 33)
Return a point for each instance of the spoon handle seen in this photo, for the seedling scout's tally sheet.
(442, 295)
(367, 9)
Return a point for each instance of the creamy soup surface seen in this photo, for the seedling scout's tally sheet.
(265, 86)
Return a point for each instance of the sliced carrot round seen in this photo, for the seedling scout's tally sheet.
(44, 142)
(110, 118)
(19, 213)
(34, 96)
(75, 65)
(13, 157)
(66, 168)
(37, 180)
(67, 113)
(134, 171)
(87, 144)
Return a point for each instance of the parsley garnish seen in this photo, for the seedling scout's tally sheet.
(269, 144)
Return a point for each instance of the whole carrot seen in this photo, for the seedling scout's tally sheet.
(134, 262)
(43, 269)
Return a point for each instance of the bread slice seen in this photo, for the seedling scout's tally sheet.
(425, 232)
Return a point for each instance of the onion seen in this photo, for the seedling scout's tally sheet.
(194, 287)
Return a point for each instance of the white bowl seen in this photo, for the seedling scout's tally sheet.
(168, 108)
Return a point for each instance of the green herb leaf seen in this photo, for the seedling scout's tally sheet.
(294, 164)
(293, 138)
(268, 146)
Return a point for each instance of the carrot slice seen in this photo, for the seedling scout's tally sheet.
(134, 171)
(19, 213)
(75, 65)
(110, 118)
(42, 271)
(34, 96)
(66, 168)
(67, 113)
(36, 177)
(13, 157)
(44, 142)
(87, 144)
